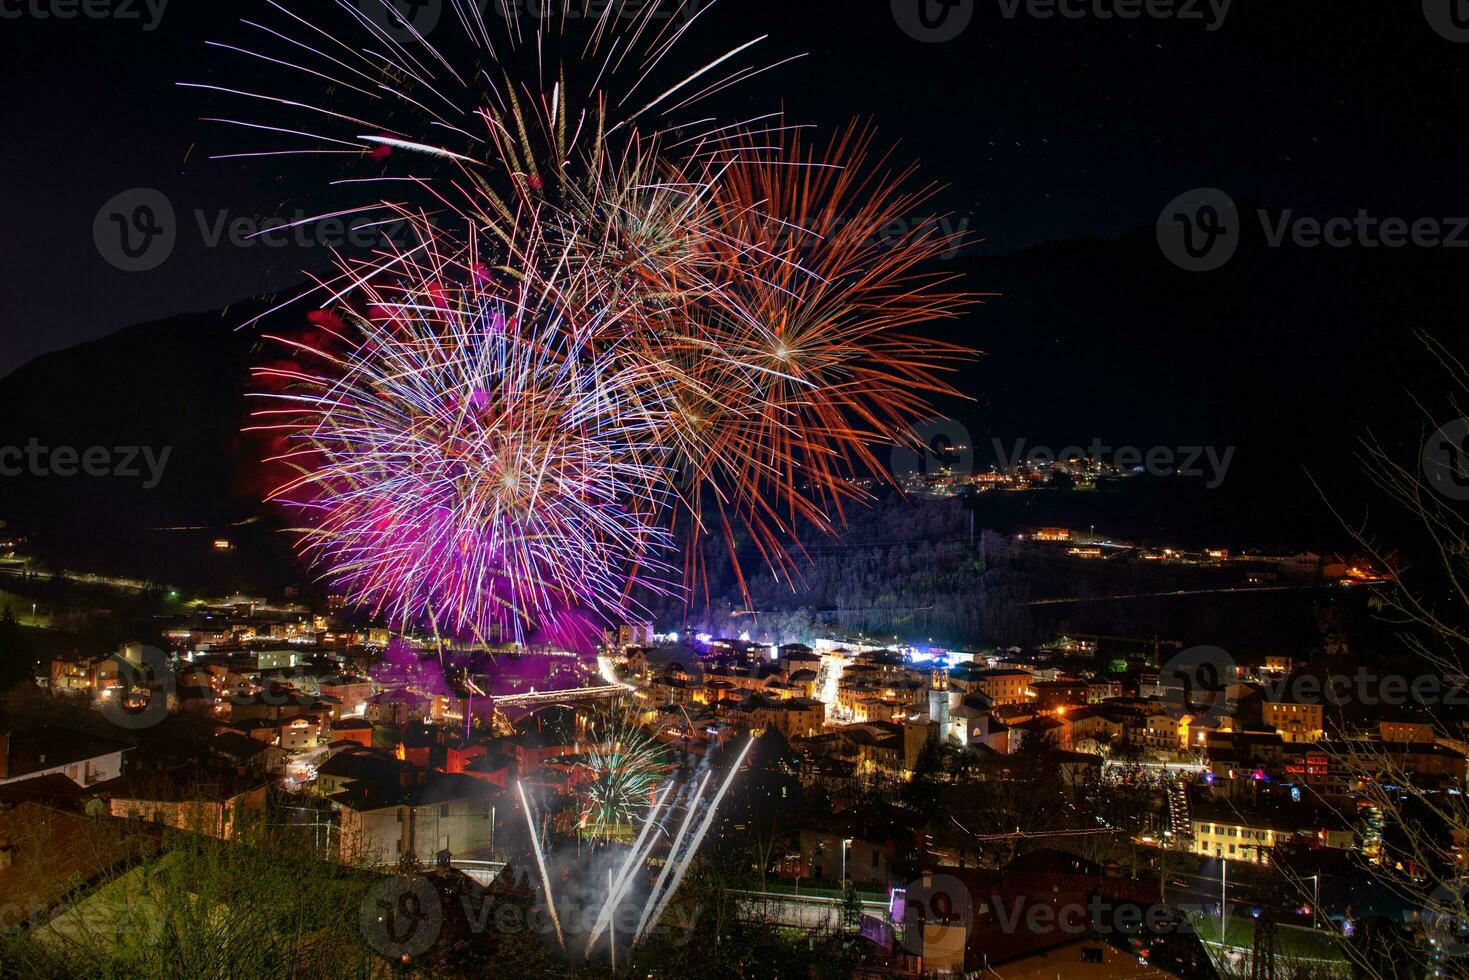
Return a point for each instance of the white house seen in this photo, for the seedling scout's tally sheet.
(441, 812)
(84, 759)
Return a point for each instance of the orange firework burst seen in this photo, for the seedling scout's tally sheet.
(796, 359)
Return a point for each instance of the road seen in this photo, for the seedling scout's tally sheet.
(1176, 593)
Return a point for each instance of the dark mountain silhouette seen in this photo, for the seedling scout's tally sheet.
(1287, 355)
(174, 385)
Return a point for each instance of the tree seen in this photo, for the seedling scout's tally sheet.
(923, 790)
(770, 804)
(17, 657)
(1026, 791)
(851, 906)
(1124, 750)
(1421, 858)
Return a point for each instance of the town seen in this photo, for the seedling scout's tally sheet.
(1238, 806)
(723, 490)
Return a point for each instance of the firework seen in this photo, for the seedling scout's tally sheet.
(697, 814)
(464, 458)
(496, 108)
(797, 361)
(674, 849)
(658, 902)
(623, 768)
(642, 336)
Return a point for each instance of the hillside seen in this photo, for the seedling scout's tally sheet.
(1288, 356)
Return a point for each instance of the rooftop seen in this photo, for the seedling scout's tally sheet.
(49, 748)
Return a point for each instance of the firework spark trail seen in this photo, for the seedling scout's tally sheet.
(604, 916)
(693, 848)
(423, 107)
(673, 851)
(624, 884)
(698, 334)
(541, 863)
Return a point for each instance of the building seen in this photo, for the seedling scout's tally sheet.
(792, 717)
(1050, 695)
(1075, 921)
(1237, 838)
(247, 754)
(350, 693)
(1222, 830)
(399, 707)
(1430, 762)
(1006, 686)
(1095, 726)
(352, 765)
(1406, 731)
(306, 733)
(48, 855)
(438, 814)
(84, 759)
(1055, 729)
(634, 635)
(875, 748)
(1294, 721)
(216, 804)
(355, 730)
(82, 674)
(819, 854)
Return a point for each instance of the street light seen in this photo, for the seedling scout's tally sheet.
(846, 841)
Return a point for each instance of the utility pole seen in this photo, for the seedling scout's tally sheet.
(1223, 902)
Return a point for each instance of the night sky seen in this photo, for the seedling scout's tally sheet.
(1044, 129)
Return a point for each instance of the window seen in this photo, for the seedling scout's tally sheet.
(443, 809)
(1093, 954)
